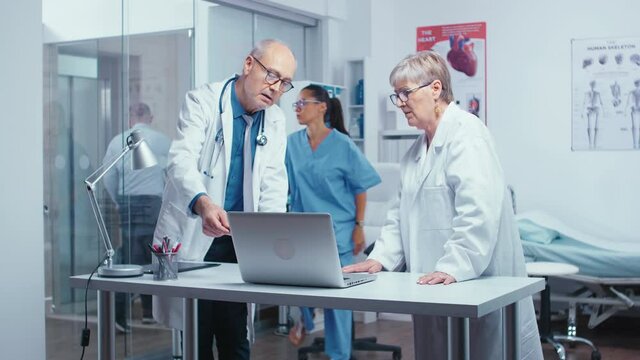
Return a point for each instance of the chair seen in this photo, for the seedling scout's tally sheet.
(357, 344)
(378, 202)
(547, 269)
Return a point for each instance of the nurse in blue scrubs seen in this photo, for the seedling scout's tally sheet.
(328, 173)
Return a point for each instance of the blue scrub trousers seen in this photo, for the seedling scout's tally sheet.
(337, 324)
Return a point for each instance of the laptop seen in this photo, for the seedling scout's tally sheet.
(289, 249)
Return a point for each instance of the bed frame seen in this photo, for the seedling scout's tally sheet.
(604, 296)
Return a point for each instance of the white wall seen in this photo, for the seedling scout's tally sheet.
(22, 334)
(356, 40)
(368, 32)
(325, 61)
(529, 99)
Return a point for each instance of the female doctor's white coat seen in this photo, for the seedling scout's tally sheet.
(453, 214)
(198, 150)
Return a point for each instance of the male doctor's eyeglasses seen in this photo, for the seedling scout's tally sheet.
(404, 95)
(272, 78)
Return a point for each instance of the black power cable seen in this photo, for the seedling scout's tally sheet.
(86, 333)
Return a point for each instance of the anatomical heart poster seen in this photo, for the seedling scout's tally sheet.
(464, 48)
(605, 94)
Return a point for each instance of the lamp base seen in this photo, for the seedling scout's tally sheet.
(120, 270)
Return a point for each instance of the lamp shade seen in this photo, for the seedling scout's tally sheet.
(142, 156)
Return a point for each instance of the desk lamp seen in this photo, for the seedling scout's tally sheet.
(142, 158)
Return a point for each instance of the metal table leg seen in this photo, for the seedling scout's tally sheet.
(106, 326)
(511, 333)
(457, 338)
(190, 339)
(176, 344)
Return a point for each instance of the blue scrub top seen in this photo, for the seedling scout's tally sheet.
(328, 179)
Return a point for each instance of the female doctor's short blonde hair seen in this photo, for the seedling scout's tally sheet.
(422, 68)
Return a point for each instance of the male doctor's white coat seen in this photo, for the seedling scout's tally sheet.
(195, 152)
(453, 214)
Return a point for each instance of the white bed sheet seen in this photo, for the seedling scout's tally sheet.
(599, 238)
(594, 255)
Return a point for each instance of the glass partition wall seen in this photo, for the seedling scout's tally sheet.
(128, 68)
(111, 66)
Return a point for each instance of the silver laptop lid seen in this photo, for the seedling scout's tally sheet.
(286, 248)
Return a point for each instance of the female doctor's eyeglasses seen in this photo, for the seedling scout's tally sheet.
(404, 95)
(272, 78)
(303, 102)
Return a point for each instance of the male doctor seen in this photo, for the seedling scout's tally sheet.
(228, 156)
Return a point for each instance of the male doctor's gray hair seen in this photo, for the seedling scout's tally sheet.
(262, 46)
(422, 68)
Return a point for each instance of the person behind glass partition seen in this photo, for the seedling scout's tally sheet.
(228, 156)
(452, 219)
(138, 195)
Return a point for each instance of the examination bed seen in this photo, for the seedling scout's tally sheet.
(609, 277)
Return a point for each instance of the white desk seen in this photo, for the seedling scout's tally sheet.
(390, 292)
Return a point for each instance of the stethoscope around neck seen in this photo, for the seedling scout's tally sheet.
(261, 139)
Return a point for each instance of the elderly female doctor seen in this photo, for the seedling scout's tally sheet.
(452, 220)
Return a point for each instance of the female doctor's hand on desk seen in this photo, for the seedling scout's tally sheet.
(214, 218)
(436, 277)
(371, 266)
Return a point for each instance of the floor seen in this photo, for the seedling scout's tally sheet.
(617, 338)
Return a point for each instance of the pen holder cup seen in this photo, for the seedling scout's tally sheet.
(164, 266)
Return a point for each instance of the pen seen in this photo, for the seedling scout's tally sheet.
(154, 248)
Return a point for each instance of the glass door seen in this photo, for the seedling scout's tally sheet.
(70, 156)
(96, 90)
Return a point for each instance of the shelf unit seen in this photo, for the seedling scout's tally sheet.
(395, 143)
(355, 96)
